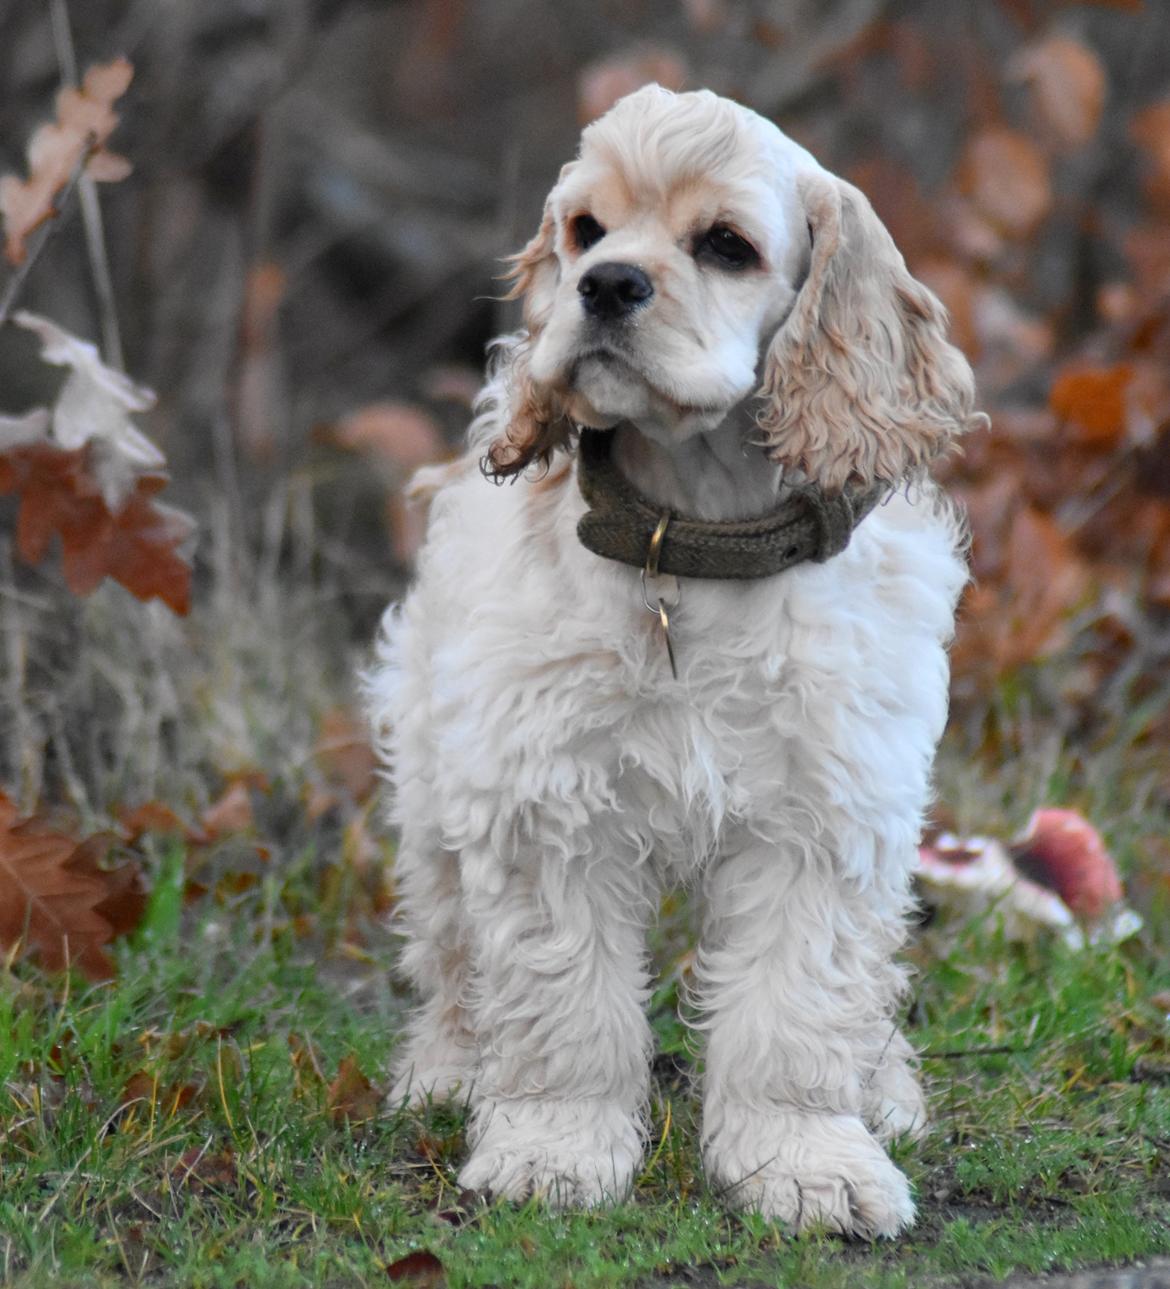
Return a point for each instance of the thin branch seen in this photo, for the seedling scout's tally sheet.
(961, 1054)
(91, 209)
(103, 281)
(63, 41)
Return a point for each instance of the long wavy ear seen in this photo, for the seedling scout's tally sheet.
(860, 382)
(534, 425)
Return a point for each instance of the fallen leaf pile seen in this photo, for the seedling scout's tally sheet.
(1068, 494)
(57, 900)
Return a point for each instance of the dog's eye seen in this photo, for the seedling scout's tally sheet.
(587, 232)
(726, 248)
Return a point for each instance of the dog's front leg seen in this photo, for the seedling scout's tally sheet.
(558, 994)
(797, 979)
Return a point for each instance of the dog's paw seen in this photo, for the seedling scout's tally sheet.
(807, 1171)
(570, 1154)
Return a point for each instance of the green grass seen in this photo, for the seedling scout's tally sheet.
(231, 1170)
(176, 1127)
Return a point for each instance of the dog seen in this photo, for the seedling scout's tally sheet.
(700, 639)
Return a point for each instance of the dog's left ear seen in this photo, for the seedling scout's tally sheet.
(860, 381)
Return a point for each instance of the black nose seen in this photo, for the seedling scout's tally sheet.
(613, 290)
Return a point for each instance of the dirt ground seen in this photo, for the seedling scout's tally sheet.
(1152, 1275)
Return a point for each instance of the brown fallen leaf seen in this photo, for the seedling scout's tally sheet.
(158, 817)
(420, 1269)
(351, 1097)
(231, 813)
(1044, 573)
(85, 120)
(56, 901)
(1091, 400)
(85, 474)
(200, 1169)
(345, 754)
(140, 546)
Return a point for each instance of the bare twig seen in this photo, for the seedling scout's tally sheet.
(961, 1054)
(91, 209)
(44, 233)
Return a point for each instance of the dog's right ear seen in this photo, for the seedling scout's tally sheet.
(535, 425)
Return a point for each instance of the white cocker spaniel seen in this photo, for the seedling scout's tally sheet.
(700, 639)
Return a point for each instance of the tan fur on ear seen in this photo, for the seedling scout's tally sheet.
(536, 425)
(862, 385)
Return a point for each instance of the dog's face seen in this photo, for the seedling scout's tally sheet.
(678, 240)
(693, 256)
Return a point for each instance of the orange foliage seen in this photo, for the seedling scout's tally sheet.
(57, 901)
(138, 545)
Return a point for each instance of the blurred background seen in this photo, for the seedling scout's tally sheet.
(305, 262)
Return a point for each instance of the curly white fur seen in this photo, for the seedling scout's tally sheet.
(550, 776)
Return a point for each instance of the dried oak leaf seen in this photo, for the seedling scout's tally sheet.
(398, 433)
(420, 1269)
(1021, 614)
(230, 813)
(1067, 84)
(351, 1097)
(85, 120)
(1046, 579)
(139, 546)
(601, 84)
(1092, 402)
(57, 901)
(199, 1169)
(160, 819)
(1006, 176)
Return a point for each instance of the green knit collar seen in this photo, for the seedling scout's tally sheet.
(623, 525)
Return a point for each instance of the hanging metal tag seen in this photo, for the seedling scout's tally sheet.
(660, 591)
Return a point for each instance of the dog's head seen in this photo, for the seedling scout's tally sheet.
(693, 256)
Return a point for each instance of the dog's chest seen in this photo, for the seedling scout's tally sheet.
(705, 757)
